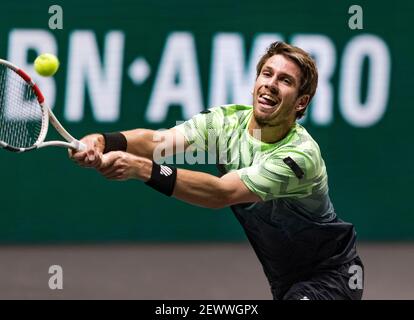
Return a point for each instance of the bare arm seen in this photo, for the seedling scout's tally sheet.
(150, 143)
(143, 146)
(209, 191)
(194, 187)
(145, 143)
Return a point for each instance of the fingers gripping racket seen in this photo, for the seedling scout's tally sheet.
(24, 114)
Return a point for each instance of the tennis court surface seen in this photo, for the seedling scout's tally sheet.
(176, 271)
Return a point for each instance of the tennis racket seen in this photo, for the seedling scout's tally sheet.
(24, 114)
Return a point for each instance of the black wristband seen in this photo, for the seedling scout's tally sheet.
(114, 141)
(163, 178)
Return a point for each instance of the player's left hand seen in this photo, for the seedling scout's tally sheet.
(118, 165)
(92, 156)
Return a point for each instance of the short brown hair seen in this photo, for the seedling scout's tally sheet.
(307, 65)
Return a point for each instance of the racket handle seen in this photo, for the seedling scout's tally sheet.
(80, 146)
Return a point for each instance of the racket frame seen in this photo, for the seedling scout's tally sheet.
(47, 115)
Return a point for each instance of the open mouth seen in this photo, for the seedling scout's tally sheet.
(268, 100)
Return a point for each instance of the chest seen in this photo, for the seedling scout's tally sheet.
(243, 158)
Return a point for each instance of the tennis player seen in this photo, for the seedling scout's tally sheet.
(272, 177)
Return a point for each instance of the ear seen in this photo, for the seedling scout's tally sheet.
(302, 102)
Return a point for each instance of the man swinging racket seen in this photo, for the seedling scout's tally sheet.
(275, 181)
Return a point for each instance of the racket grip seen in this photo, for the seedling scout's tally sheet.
(80, 146)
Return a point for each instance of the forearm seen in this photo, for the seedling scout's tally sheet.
(194, 187)
(201, 189)
(141, 142)
(154, 145)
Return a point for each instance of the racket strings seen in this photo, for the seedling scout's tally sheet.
(20, 112)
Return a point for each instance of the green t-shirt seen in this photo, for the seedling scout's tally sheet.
(224, 131)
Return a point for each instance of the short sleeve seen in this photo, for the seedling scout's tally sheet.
(275, 179)
(202, 128)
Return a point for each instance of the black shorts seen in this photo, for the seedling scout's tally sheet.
(342, 283)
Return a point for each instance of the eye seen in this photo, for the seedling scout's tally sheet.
(287, 80)
(266, 73)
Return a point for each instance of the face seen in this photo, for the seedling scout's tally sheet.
(275, 95)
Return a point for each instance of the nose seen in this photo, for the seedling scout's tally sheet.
(271, 85)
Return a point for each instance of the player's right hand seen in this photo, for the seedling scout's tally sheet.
(92, 156)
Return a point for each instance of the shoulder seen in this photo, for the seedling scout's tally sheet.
(229, 110)
(227, 115)
(303, 150)
(300, 141)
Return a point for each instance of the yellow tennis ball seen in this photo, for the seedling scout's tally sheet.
(46, 64)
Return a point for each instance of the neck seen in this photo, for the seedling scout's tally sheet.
(270, 133)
